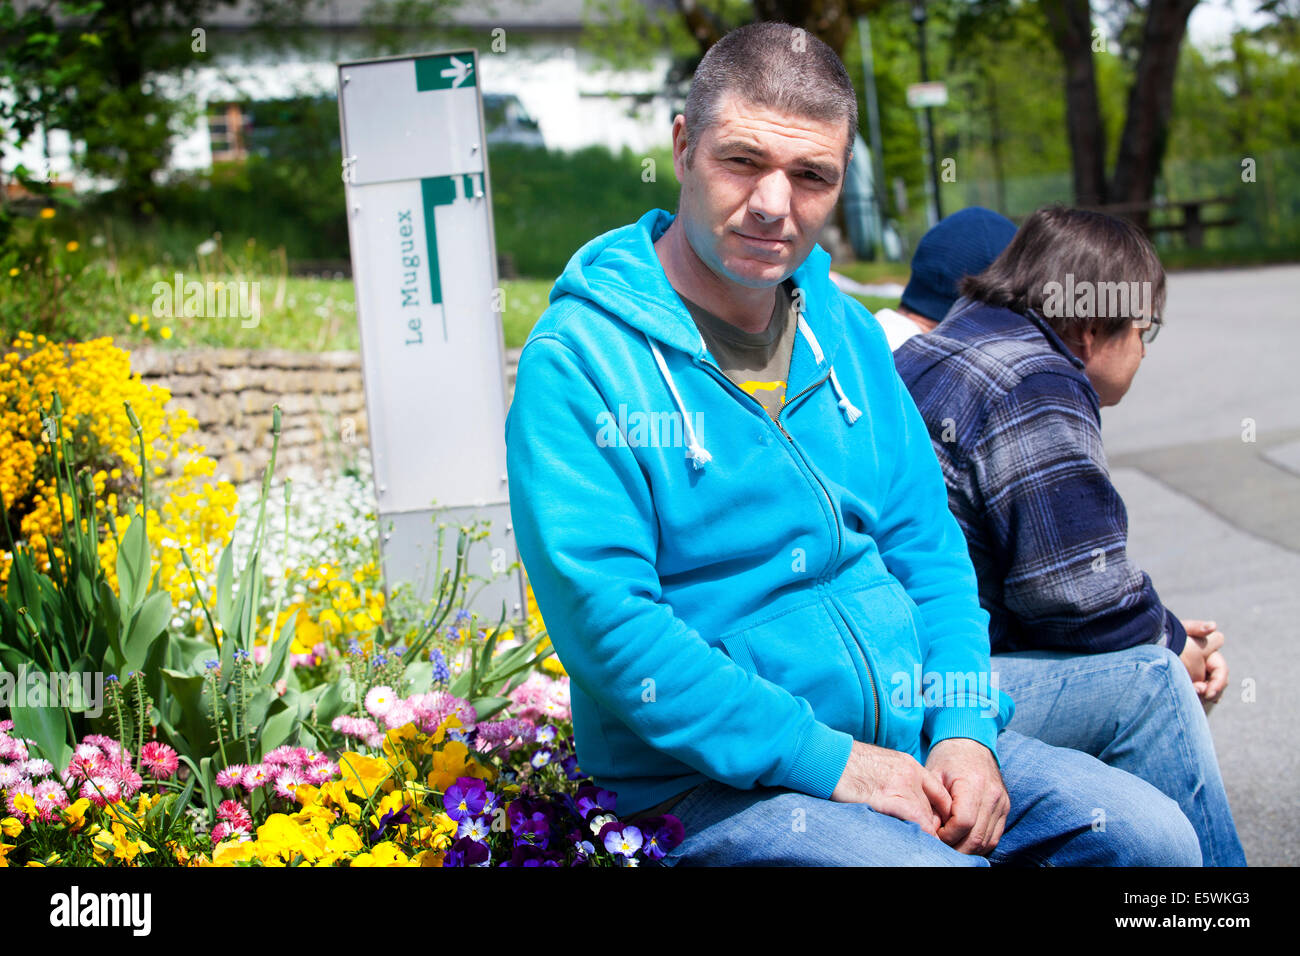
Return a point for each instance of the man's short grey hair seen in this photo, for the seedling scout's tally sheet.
(776, 66)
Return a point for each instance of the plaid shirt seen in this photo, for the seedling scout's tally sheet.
(1017, 428)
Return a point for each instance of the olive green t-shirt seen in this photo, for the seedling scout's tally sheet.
(758, 362)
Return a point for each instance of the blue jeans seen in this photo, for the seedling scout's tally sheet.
(1067, 809)
(1133, 709)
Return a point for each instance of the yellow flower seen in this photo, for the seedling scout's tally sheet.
(344, 839)
(364, 774)
(232, 852)
(14, 271)
(165, 332)
(73, 246)
(11, 827)
(47, 213)
(5, 850)
(133, 319)
(75, 815)
(25, 804)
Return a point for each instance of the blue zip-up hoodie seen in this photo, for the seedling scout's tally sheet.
(736, 598)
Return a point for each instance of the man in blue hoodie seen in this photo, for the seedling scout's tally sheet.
(739, 537)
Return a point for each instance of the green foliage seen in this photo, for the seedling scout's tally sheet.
(547, 204)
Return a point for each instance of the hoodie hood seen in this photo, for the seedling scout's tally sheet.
(620, 272)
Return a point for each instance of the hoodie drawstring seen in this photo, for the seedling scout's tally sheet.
(851, 412)
(697, 453)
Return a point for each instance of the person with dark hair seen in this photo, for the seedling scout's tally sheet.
(960, 245)
(739, 538)
(1011, 386)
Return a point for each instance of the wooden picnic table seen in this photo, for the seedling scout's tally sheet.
(1191, 223)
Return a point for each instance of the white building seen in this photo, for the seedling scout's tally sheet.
(528, 49)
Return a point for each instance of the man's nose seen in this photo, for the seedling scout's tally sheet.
(770, 199)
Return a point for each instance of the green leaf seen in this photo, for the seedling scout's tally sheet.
(133, 563)
(280, 724)
(225, 578)
(487, 706)
(274, 668)
(181, 805)
(334, 701)
(192, 718)
(146, 625)
(47, 727)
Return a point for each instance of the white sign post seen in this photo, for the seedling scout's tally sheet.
(424, 265)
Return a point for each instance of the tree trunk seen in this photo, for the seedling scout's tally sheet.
(1150, 102)
(1070, 23)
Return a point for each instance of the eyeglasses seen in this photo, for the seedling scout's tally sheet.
(1151, 329)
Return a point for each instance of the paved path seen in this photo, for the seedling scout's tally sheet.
(1205, 450)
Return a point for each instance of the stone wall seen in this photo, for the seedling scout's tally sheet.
(231, 391)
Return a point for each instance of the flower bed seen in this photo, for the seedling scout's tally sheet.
(260, 705)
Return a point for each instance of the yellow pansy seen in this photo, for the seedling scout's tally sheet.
(231, 852)
(363, 774)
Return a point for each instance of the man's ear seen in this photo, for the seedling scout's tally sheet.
(679, 146)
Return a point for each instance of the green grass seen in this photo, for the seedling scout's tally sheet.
(302, 314)
(315, 315)
(874, 272)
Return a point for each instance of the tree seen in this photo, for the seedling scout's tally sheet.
(106, 71)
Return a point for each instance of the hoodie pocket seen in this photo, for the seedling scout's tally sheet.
(886, 625)
(804, 651)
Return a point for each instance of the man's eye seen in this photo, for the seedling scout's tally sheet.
(741, 159)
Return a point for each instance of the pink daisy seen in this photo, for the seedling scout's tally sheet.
(258, 775)
(399, 715)
(10, 776)
(160, 760)
(101, 790)
(231, 776)
(82, 767)
(50, 799)
(38, 768)
(234, 813)
(322, 772)
(22, 786)
(283, 756)
(13, 749)
(287, 782)
(360, 727)
(380, 700)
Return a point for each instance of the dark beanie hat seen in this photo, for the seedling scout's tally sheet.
(963, 244)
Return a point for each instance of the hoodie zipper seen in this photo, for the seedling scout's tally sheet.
(839, 542)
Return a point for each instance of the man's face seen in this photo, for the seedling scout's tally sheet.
(1114, 362)
(761, 187)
